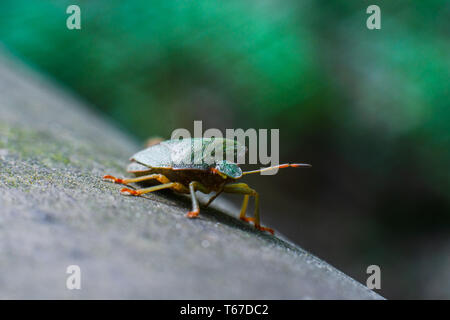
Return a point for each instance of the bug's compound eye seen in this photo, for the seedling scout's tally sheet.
(228, 169)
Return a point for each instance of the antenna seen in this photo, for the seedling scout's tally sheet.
(281, 166)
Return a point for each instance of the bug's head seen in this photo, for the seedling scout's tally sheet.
(227, 170)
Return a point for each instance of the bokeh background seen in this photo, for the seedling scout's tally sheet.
(370, 109)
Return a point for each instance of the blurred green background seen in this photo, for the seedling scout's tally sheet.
(368, 108)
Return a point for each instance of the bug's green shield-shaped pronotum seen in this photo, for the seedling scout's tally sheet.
(229, 169)
(197, 164)
(196, 153)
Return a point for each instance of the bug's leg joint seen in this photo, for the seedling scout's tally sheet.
(112, 179)
(193, 186)
(129, 192)
(192, 214)
(270, 230)
(247, 219)
(244, 189)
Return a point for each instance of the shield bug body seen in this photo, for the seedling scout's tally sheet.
(190, 165)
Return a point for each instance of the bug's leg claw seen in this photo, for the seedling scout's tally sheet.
(113, 179)
(192, 214)
(247, 219)
(259, 227)
(129, 192)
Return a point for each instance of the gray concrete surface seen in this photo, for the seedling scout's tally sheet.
(56, 211)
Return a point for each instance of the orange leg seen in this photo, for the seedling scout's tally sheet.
(193, 186)
(159, 177)
(244, 210)
(165, 184)
(171, 185)
(244, 189)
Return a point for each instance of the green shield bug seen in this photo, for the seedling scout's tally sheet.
(189, 165)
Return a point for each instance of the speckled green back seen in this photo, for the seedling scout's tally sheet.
(194, 153)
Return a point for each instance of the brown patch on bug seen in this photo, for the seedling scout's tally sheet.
(153, 141)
